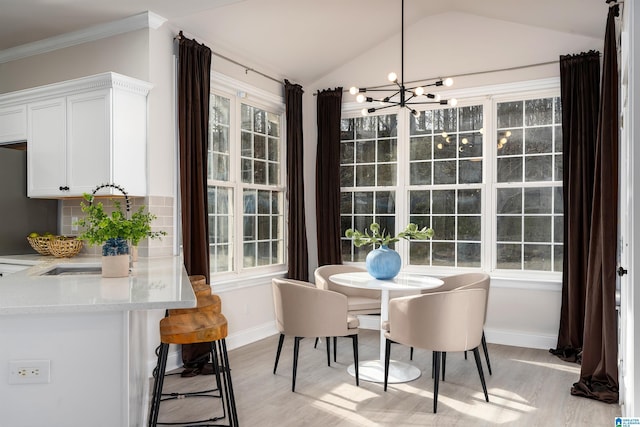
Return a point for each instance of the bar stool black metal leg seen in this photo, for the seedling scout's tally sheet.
(157, 384)
(231, 397)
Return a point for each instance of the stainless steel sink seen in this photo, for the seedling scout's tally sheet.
(66, 270)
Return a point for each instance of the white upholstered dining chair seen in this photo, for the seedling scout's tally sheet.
(438, 321)
(303, 310)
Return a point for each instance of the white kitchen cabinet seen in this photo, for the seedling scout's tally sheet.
(83, 133)
(13, 123)
(46, 151)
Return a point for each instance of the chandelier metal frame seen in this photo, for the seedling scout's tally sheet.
(402, 96)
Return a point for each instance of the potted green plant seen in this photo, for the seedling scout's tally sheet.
(383, 262)
(114, 231)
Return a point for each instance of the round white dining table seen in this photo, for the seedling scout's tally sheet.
(373, 370)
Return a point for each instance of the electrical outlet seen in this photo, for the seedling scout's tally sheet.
(29, 371)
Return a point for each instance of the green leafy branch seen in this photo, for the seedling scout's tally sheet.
(383, 238)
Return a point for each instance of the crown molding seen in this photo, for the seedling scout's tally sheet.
(140, 21)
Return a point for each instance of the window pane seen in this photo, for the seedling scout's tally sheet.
(419, 202)
(537, 200)
(538, 168)
(419, 253)
(469, 254)
(420, 148)
(509, 200)
(510, 142)
(420, 173)
(443, 202)
(470, 201)
(510, 169)
(537, 229)
(469, 228)
(470, 172)
(510, 114)
(537, 257)
(509, 228)
(538, 140)
(444, 172)
(509, 256)
(538, 111)
(444, 254)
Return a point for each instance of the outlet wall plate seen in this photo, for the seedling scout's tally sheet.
(29, 372)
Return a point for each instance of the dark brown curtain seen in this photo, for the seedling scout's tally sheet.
(599, 370)
(193, 120)
(580, 94)
(298, 255)
(194, 68)
(328, 177)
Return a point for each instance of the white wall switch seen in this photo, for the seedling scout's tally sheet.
(29, 371)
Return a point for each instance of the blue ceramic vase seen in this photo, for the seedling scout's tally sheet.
(383, 263)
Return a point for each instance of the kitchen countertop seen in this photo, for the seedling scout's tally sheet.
(153, 283)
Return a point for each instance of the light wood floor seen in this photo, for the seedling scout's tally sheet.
(528, 388)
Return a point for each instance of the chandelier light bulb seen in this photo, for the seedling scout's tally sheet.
(353, 90)
(448, 82)
(360, 98)
(419, 91)
(503, 141)
(465, 141)
(439, 146)
(453, 102)
(437, 97)
(365, 112)
(507, 133)
(393, 77)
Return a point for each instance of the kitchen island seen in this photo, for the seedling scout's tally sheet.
(90, 331)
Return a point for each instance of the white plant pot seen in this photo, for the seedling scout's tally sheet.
(115, 266)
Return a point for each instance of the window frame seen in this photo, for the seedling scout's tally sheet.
(487, 96)
(242, 93)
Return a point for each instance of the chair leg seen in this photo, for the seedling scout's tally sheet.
(231, 399)
(328, 352)
(387, 356)
(465, 355)
(354, 337)
(436, 379)
(335, 348)
(486, 353)
(296, 347)
(444, 363)
(315, 344)
(280, 341)
(158, 382)
(476, 354)
(411, 354)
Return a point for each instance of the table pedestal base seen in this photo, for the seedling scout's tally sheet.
(373, 370)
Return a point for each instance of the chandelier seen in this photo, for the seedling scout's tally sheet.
(399, 95)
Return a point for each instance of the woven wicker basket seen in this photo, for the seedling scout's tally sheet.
(64, 247)
(40, 244)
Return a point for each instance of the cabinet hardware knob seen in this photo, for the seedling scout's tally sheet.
(622, 271)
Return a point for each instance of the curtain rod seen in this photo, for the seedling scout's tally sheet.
(233, 61)
(475, 73)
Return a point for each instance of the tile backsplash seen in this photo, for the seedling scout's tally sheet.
(161, 206)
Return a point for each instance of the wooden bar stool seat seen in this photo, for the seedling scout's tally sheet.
(208, 303)
(193, 328)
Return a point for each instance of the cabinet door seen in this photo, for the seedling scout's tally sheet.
(89, 141)
(46, 148)
(13, 123)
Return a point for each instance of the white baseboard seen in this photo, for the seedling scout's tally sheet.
(521, 339)
(248, 336)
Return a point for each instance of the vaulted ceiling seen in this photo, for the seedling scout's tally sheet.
(297, 36)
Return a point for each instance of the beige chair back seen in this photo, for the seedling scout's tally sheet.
(303, 310)
(438, 321)
(323, 273)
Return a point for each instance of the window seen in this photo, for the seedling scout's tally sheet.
(245, 185)
(368, 174)
(529, 223)
(492, 206)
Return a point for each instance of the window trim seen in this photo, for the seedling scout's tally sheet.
(240, 92)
